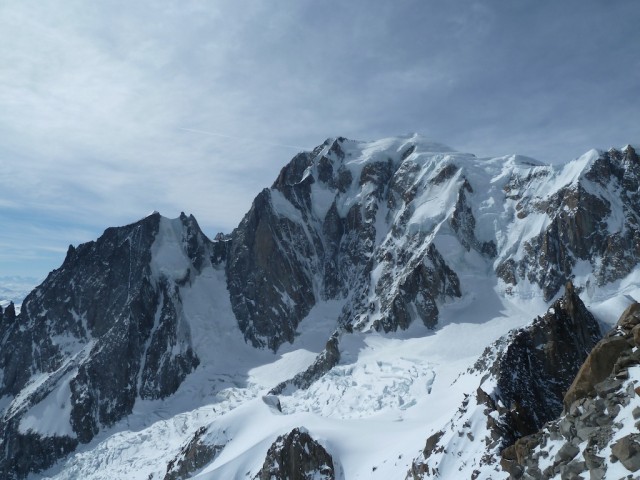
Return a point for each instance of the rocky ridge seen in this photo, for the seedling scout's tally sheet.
(597, 434)
(523, 377)
(63, 343)
(297, 456)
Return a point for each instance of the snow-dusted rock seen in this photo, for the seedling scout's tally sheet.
(523, 380)
(297, 456)
(598, 425)
(201, 449)
(101, 331)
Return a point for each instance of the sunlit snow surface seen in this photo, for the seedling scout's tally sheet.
(373, 411)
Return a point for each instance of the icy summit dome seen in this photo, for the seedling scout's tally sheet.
(396, 148)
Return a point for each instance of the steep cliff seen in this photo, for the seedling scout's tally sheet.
(102, 331)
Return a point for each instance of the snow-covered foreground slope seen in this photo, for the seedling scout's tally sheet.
(384, 384)
(353, 303)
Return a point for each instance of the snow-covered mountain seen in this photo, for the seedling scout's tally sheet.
(386, 309)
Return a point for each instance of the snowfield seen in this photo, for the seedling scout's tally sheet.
(372, 412)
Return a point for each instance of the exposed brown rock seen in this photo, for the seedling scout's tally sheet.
(598, 365)
(432, 442)
(611, 354)
(630, 317)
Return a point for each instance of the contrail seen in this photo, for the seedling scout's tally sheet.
(252, 140)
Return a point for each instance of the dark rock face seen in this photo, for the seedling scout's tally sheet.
(540, 362)
(464, 224)
(325, 361)
(297, 456)
(578, 227)
(425, 280)
(591, 414)
(527, 373)
(105, 306)
(192, 457)
(32, 452)
(270, 291)
(9, 314)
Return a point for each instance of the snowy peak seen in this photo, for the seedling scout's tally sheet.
(331, 221)
(582, 212)
(361, 220)
(113, 301)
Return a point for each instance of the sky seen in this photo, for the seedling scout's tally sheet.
(110, 110)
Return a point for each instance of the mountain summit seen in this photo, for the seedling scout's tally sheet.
(379, 295)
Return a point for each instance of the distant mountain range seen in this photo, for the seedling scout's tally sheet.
(386, 309)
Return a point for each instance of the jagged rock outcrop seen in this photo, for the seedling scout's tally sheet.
(325, 361)
(9, 314)
(200, 451)
(297, 456)
(601, 407)
(539, 363)
(113, 301)
(524, 378)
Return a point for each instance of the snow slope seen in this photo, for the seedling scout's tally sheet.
(394, 386)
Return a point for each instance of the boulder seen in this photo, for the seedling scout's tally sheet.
(627, 450)
(567, 452)
(596, 368)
